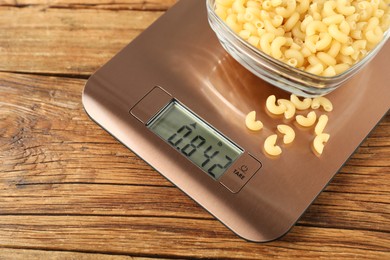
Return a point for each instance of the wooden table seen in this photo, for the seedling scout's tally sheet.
(68, 190)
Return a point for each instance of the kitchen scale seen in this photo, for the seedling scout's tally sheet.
(178, 100)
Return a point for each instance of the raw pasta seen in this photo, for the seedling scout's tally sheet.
(251, 122)
(321, 37)
(289, 134)
(270, 146)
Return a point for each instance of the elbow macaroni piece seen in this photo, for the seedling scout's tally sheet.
(275, 3)
(321, 124)
(337, 34)
(265, 42)
(295, 54)
(322, 101)
(270, 146)
(315, 26)
(343, 8)
(319, 28)
(289, 134)
(291, 22)
(326, 59)
(303, 6)
(273, 108)
(276, 44)
(307, 121)
(300, 105)
(329, 72)
(316, 69)
(333, 19)
(251, 122)
(328, 9)
(292, 62)
(324, 41)
(287, 11)
(319, 142)
(334, 49)
(290, 108)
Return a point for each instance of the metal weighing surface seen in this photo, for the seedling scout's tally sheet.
(179, 57)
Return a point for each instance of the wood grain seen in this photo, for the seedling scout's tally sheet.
(58, 167)
(150, 5)
(61, 41)
(69, 190)
(181, 238)
(23, 254)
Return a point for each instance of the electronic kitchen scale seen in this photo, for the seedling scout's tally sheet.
(178, 100)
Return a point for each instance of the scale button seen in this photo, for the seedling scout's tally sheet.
(240, 173)
(149, 105)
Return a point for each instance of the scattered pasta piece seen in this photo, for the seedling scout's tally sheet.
(290, 108)
(270, 146)
(300, 105)
(289, 134)
(273, 108)
(319, 142)
(322, 101)
(307, 121)
(321, 124)
(252, 123)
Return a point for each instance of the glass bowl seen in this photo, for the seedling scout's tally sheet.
(276, 72)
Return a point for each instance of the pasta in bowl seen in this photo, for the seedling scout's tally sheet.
(307, 47)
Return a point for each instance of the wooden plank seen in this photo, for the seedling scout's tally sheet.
(44, 132)
(96, 4)
(182, 238)
(331, 210)
(350, 211)
(65, 41)
(58, 167)
(23, 254)
(88, 199)
(54, 159)
(46, 137)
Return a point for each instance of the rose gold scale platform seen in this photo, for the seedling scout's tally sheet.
(175, 98)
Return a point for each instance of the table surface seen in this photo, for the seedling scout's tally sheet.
(69, 190)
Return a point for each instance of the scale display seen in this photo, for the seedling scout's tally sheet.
(195, 139)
